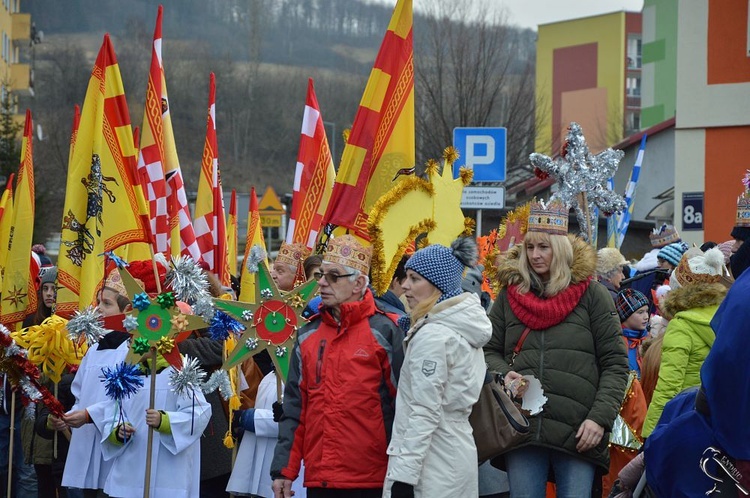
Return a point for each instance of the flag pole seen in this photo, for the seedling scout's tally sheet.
(12, 437)
(54, 436)
(152, 395)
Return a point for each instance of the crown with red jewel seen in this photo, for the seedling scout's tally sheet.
(551, 218)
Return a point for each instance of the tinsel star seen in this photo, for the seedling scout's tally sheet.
(577, 172)
(271, 322)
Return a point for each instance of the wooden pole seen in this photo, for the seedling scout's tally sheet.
(584, 204)
(54, 436)
(12, 437)
(149, 449)
(279, 393)
(156, 270)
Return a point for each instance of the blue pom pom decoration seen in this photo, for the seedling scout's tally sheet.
(222, 324)
(121, 381)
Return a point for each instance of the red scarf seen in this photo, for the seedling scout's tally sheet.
(542, 313)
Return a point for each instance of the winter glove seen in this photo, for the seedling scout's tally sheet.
(402, 490)
(245, 419)
(278, 411)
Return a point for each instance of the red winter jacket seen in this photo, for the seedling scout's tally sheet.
(339, 399)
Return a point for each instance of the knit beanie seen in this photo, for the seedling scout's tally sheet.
(628, 301)
(672, 253)
(48, 275)
(698, 267)
(444, 266)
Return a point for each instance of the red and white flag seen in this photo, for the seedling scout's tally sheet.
(159, 168)
(313, 178)
(210, 220)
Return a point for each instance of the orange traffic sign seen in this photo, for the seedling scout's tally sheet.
(270, 202)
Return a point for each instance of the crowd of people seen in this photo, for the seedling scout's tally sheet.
(631, 358)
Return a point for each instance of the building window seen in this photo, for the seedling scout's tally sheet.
(633, 86)
(634, 52)
(632, 122)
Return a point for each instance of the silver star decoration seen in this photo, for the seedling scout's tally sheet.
(266, 293)
(251, 343)
(578, 171)
(247, 315)
(280, 351)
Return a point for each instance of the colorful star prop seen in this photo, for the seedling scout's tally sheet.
(582, 175)
(446, 204)
(272, 323)
(159, 320)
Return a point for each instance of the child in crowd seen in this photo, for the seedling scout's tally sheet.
(632, 306)
(178, 425)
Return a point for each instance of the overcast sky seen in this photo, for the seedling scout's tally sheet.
(530, 13)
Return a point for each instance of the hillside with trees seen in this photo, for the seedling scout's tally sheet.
(470, 70)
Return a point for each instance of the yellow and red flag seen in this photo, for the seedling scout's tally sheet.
(101, 211)
(159, 167)
(313, 178)
(7, 194)
(74, 131)
(232, 235)
(380, 148)
(255, 250)
(209, 221)
(19, 297)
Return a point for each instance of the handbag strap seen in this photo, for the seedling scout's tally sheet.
(519, 344)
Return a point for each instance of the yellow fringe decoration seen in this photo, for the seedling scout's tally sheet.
(466, 175)
(49, 346)
(381, 270)
(450, 154)
(234, 400)
(519, 214)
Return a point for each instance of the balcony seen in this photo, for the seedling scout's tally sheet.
(633, 102)
(20, 26)
(22, 79)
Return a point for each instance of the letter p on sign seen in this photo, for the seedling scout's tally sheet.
(482, 150)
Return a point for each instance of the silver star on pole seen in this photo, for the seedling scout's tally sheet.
(577, 172)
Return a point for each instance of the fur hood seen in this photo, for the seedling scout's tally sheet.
(584, 263)
(691, 297)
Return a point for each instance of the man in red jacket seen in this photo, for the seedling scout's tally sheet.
(340, 392)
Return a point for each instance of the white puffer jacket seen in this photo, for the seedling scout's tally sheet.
(432, 446)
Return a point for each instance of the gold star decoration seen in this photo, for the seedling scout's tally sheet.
(271, 323)
(16, 296)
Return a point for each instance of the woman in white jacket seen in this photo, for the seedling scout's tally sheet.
(432, 451)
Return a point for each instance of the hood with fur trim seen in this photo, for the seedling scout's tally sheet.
(584, 263)
(692, 297)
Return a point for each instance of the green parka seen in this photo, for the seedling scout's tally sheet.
(581, 362)
(687, 342)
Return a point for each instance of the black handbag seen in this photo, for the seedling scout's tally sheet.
(497, 423)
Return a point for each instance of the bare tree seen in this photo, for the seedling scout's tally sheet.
(472, 69)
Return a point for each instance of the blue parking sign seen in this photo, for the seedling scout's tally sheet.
(482, 150)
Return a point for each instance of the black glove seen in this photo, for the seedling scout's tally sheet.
(278, 411)
(402, 490)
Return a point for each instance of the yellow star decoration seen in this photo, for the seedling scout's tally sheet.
(271, 323)
(446, 203)
(412, 207)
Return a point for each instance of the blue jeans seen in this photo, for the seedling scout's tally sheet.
(528, 469)
(24, 477)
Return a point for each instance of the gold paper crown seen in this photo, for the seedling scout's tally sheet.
(348, 251)
(663, 236)
(292, 254)
(549, 218)
(114, 282)
(743, 204)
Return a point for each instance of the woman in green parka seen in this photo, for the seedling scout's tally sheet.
(696, 294)
(573, 346)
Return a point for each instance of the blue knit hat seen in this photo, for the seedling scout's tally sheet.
(444, 266)
(672, 253)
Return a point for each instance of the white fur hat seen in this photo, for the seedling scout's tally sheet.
(609, 259)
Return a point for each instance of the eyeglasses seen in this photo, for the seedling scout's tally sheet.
(331, 278)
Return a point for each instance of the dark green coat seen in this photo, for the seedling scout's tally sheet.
(581, 362)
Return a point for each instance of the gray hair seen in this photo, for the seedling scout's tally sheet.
(354, 274)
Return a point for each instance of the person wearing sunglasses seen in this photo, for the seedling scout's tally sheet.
(341, 387)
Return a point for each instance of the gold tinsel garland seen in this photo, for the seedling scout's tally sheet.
(381, 269)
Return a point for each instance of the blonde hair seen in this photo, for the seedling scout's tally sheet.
(423, 307)
(559, 269)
